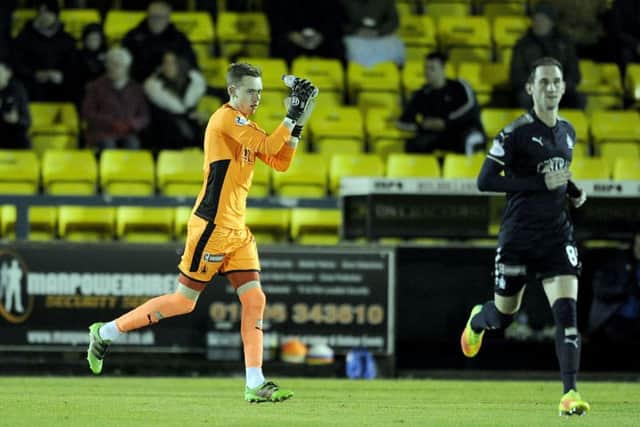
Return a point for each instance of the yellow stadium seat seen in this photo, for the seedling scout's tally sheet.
(69, 172)
(208, 105)
(19, 172)
(307, 177)
(75, 20)
(459, 166)
(19, 18)
(144, 224)
(602, 84)
(474, 74)
(615, 126)
(215, 72)
(413, 166)
(181, 219)
(467, 38)
(179, 172)
(269, 225)
(612, 151)
(352, 165)
(315, 226)
(272, 71)
(580, 123)
(388, 101)
(413, 75)
(506, 32)
(197, 26)
(383, 77)
(499, 8)
(495, 119)
(326, 74)
(590, 168)
(632, 82)
(86, 223)
(380, 123)
(418, 34)
(50, 120)
(581, 150)
(269, 116)
(626, 169)
(327, 147)
(119, 22)
(337, 122)
(245, 33)
(261, 184)
(443, 8)
(127, 172)
(384, 147)
(42, 222)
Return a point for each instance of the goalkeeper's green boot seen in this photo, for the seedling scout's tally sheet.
(470, 341)
(97, 348)
(572, 404)
(266, 392)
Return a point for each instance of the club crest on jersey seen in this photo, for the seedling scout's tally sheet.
(570, 142)
(241, 121)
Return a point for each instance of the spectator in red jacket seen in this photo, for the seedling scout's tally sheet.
(115, 107)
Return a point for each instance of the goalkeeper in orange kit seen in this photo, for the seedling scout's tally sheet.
(218, 241)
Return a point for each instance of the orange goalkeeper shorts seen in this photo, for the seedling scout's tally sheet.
(212, 249)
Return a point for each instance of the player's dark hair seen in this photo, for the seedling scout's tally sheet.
(547, 60)
(236, 72)
(437, 55)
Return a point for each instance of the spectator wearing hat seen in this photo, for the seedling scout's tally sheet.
(45, 56)
(543, 40)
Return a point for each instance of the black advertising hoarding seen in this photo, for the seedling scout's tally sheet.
(51, 292)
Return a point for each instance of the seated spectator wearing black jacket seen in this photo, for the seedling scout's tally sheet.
(444, 113)
(615, 309)
(152, 38)
(15, 118)
(543, 40)
(45, 56)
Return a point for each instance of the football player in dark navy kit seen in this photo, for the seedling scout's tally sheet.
(536, 234)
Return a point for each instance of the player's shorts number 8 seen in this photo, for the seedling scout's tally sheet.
(572, 254)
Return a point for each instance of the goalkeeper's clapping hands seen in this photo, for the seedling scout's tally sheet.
(300, 104)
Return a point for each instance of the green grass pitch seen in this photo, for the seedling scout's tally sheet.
(188, 402)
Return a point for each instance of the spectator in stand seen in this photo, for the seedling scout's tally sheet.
(305, 29)
(369, 30)
(154, 36)
(543, 40)
(624, 27)
(92, 55)
(115, 107)
(46, 56)
(444, 113)
(583, 22)
(6, 11)
(174, 92)
(15, 118)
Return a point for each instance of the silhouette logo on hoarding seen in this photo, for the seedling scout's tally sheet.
(15, 304)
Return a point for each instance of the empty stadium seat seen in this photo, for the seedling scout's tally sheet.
(179, 172)
(413, 166)
(495, 119)
(466, 38)
(338, 122)
(127, 172)
(86, 223)
(460, 166)
(602, 84)
(306, 177)
(326, 74)
(446, 8)
(380, 123)
(42, 222)
(475, 74)
(118, 22)
(269, 117)
(590, 168)
(69, 172)
(612, 151)
(418, 34)
(327, 147)
(494, 9)
(383, 77)
(626, 168)
(19, 172)
(144, 224)
(384, 147)
(244, 33)
(53, 125)
(272, 71)
(261, 183)
(214, 71)
(197, 26)
(208, 105)
(346, 165)
(315, 226)
(372, 99)
(268, 225)
(580, 123)
(182, 214)
(506, 30)
(615, 126)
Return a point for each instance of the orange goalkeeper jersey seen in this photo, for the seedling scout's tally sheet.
(231, 144)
